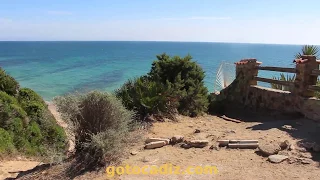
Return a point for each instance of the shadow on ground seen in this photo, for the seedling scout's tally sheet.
(294, 124)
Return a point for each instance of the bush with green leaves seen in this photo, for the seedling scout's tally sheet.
(99, 122)
(173, 84)
(7, 83)
(186, 78)
(31, 102)
(24, 117)
(147, 97)
(6, 142)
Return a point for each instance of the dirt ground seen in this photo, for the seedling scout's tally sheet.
(231, 163)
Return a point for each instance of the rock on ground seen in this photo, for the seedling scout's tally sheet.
(277, 158)
(284, 145)
(269, 149)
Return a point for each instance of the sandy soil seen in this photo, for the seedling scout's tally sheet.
(61, 123)
(10, 169)
(231, 163)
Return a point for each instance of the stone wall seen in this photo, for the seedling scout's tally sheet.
(244, 90)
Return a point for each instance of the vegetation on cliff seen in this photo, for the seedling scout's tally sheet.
(26, 124)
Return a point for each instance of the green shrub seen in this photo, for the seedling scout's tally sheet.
(147, 97)
(186, 78)
(6, 142)
(39, 136)
(10, 109)
(8, 84)
(100, 124)
(31, 102)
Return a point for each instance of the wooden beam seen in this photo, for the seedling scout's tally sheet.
(314, 88)
(279, 69)
(230, 119)
(244, 146)
(274, 81)
(315, 72)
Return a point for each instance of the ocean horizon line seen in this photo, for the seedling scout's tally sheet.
(164, 41)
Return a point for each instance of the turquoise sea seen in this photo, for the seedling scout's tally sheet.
(56, 68)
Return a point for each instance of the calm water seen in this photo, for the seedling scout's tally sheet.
(56, 68)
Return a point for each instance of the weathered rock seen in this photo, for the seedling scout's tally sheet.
(134, 153)
(284, 145)
(291, 147)
(269, 149)
(316, 148)
(154, 145)
(304, 161)
(198, 143)
(277, 158)
(177, 139)
(186, 146)
(306, 155)
(149, 140)
(197, 131)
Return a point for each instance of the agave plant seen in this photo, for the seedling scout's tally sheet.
(283, 78)
(308, 50)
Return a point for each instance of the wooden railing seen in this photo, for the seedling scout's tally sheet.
(279, 69)
(275, 81)
(315, 72)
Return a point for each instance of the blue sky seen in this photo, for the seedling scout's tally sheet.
(246, 21)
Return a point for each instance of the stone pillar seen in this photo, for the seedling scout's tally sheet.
(304, 78)
(246, 70)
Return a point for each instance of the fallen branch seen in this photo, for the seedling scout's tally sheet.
(230, 119)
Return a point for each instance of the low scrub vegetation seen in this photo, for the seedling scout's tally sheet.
(283, 78)
(100, 124)
(174, 84)
(26, 125)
